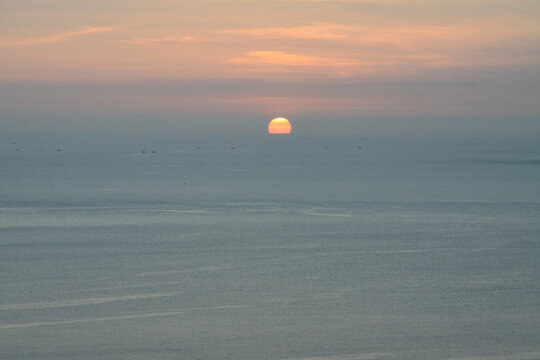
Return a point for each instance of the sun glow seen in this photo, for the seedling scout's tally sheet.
(279, 125)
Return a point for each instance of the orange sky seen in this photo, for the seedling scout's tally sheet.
(299, 41)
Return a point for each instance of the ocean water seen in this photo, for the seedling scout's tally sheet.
(270, 247)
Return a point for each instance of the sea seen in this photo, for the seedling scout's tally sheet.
(270, 247)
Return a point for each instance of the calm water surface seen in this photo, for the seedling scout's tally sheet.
(282, 247)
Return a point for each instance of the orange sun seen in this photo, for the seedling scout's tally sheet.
(279, 125)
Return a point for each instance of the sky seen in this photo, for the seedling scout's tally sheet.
(229, 66)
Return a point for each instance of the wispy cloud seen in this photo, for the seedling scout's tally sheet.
(361, 34)
(316, 31)
(286, 59)
(364, 1)
(55, 38)
(168, 40)
(385, 47)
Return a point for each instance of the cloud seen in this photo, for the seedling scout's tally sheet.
(392, 48)
(286, 59)
(317, 31)
(168, 40)
(349, 1)
(277, 62)
(362, 34)
(56, 38)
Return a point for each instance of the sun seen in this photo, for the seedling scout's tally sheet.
(279, 125)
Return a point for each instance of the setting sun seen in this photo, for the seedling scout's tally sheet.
(279, 125)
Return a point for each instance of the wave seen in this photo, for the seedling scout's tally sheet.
(365, 356)
(326, 214)
(82, 302)
(122, 317)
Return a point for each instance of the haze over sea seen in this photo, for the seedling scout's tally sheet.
(270, 247)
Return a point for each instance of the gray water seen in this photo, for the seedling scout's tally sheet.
(274, 247)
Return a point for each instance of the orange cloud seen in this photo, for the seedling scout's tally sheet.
(285, 59)
(168, 40)
(318, 31)
(364, 34)
(382, 48)
(349, 1)
(399, 35)
(56, 37)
